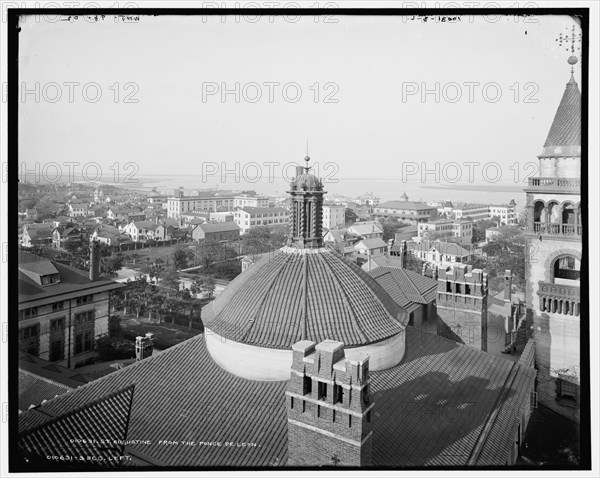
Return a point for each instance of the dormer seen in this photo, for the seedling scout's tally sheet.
(42, 273)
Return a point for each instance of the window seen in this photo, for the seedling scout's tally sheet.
(322, 391)
(57, 350)
(58, 306)
(57, 324)
(291, 402)
(369, 416)
(307, 385)
(567, 391)
(86, 299)
(338, 394)
(448, 287)
(567, 268)
(467, 289)
(28, 313)
(84, 317)
(29, 332)
(458, 289)
(83, 342)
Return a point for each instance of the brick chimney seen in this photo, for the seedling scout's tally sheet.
(94, 260)
(508, 285)
(329, 406)
(144, 346)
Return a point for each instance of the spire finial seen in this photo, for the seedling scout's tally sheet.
(572, 39)
(307, 158)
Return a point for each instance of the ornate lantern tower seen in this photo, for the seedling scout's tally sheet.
(306, 221)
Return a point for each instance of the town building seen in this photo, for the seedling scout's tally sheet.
(306, 360)
(555, 222)
(62, 310)
(248, 217)
(441, 253)
(216, 232)
(367, 229)
(367, 199)
(213, 202)
(407, 211)
(142, 231)
(334, 216)
(68, 237)
(471, 212)
(35, 235)
(445, 229)
(78, 208)
(505, 213)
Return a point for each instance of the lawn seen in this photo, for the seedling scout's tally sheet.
(165, 335)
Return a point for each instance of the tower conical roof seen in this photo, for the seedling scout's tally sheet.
(564, 138)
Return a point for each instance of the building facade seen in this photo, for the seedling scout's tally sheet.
(407, 211)
(248, 217)
(554, 232)
(334, 216)
(62, 311)
(447, 228)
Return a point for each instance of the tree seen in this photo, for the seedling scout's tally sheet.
(114, 326)
(350, 217)
(390, 227)
(507, 252)
(479, 229)
(413, 263)
(181, 257)
(204, 284)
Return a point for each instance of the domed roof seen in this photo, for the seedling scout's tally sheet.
(307, 181)
(312, 294)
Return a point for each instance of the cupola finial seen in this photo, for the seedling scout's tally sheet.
(572, 39)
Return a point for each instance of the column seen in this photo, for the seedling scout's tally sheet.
(530, 215)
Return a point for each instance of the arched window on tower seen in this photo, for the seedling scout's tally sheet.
(567, 267)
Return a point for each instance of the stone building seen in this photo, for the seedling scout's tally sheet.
(553, 270)
(62, 310)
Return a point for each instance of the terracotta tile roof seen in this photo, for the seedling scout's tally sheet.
(566, 127)
(181, 394)
(405, 286)
(429, 410)
(34, 389)
(95, 421)
(287, 297)
(432, 408)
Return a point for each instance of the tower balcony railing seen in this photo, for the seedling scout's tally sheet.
(557, 229)
(559, 298)
(564, 185)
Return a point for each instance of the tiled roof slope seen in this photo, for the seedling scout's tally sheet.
(181, 394)
(33, 389)
(566, 127)
(287, 297)
(59, 436)
(405, 286)
(429, 410)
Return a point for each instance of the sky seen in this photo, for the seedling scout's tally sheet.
(361, 78)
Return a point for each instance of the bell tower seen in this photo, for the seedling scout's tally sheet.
(554, 233)
(306, 221)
